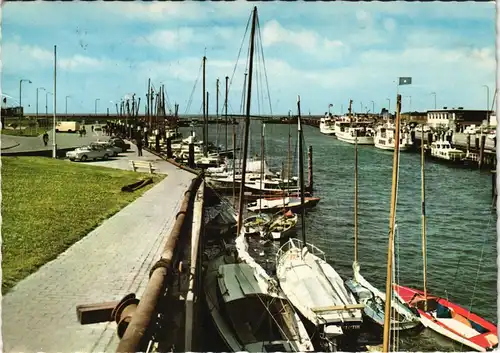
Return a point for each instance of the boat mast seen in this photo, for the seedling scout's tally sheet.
(217, 114)
(392, 221)
(247, 120)
(262, 156)
(349, 110)
(424, 241)
(301, 175)
(356, 196)
(225, 107)
(205, 145)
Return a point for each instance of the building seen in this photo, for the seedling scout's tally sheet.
(456, 118)
(417, 117)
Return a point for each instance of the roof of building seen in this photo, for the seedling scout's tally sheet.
(459, 110)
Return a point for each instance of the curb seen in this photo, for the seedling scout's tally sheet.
(7, 148)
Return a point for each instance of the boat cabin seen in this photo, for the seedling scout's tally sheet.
(260, 317)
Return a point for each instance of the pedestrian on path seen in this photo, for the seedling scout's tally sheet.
(139, 145)
(45, 138)
(92, 127)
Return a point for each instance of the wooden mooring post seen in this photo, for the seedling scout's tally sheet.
(310, 169)
(481, 151)
(494, 192)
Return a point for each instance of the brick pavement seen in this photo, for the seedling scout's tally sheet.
(39, 314)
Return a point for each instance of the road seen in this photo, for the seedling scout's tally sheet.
(63, 140)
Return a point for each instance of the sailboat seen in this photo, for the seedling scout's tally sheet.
(371, 297)
(312, 285)
(442, 316)
(247, 306)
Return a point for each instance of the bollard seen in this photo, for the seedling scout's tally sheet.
(191, 156)
(169, 148)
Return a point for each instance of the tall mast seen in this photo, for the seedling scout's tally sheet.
(356, 196)
(301, 176)
(225, 106)
(289, 172)
(424, 241)
(149, 103)
(217, 114)
(247, 120)
(392, 221)
(205, 145)
(262, 156)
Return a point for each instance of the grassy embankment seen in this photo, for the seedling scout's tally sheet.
(28, 132)
(48, 205)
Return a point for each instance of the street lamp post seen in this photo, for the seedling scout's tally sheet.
(54, 108)
(410, 101)
(38, 88)
(20, 97)
(96, 100)
(389, 109)
(47, 106)
(67, 106)
(487, 104)
(435, 100)
(487, 97)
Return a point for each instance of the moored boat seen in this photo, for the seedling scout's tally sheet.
(451, 320)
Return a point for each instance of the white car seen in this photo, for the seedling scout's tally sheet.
(113, 149)
(88, 152)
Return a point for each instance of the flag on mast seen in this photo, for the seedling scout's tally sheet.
(404, 81)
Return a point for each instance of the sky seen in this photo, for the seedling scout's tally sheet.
(326, 52)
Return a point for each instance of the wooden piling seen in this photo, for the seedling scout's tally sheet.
(310, 169)
(481, 151)
(494, 187)
(191, 156)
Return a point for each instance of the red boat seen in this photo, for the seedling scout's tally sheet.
(451, 320)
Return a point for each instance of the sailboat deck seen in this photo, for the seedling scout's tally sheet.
(319, 294)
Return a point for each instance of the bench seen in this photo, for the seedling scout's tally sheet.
(143, 164)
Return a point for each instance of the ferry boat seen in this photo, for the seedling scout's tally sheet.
(327, 125)
(365, 135)
(384, 138)
(443, 150)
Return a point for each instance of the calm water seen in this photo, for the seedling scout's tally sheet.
(461, 228)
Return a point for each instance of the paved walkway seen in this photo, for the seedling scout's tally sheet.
(39, 314)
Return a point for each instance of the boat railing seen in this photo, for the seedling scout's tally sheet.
(298, 244)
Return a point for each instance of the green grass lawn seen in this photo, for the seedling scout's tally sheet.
(47, 205)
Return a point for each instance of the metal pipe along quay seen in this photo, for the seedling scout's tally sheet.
(133, 338)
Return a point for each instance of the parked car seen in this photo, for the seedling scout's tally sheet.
(116, 141)
(89, 152)
(114, 149)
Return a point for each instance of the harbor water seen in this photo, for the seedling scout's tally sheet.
(461, 225)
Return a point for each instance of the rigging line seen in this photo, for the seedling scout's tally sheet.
(265, 71)
(239, 53)
(259, 77)
(188, 106)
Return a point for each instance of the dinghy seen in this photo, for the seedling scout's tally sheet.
(451, 320)
(283, 226)
(257, 224)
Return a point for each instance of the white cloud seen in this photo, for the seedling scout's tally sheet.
(310, 42)
(28, 58)
(390, 24)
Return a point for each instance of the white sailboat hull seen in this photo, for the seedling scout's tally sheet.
(315, 288)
